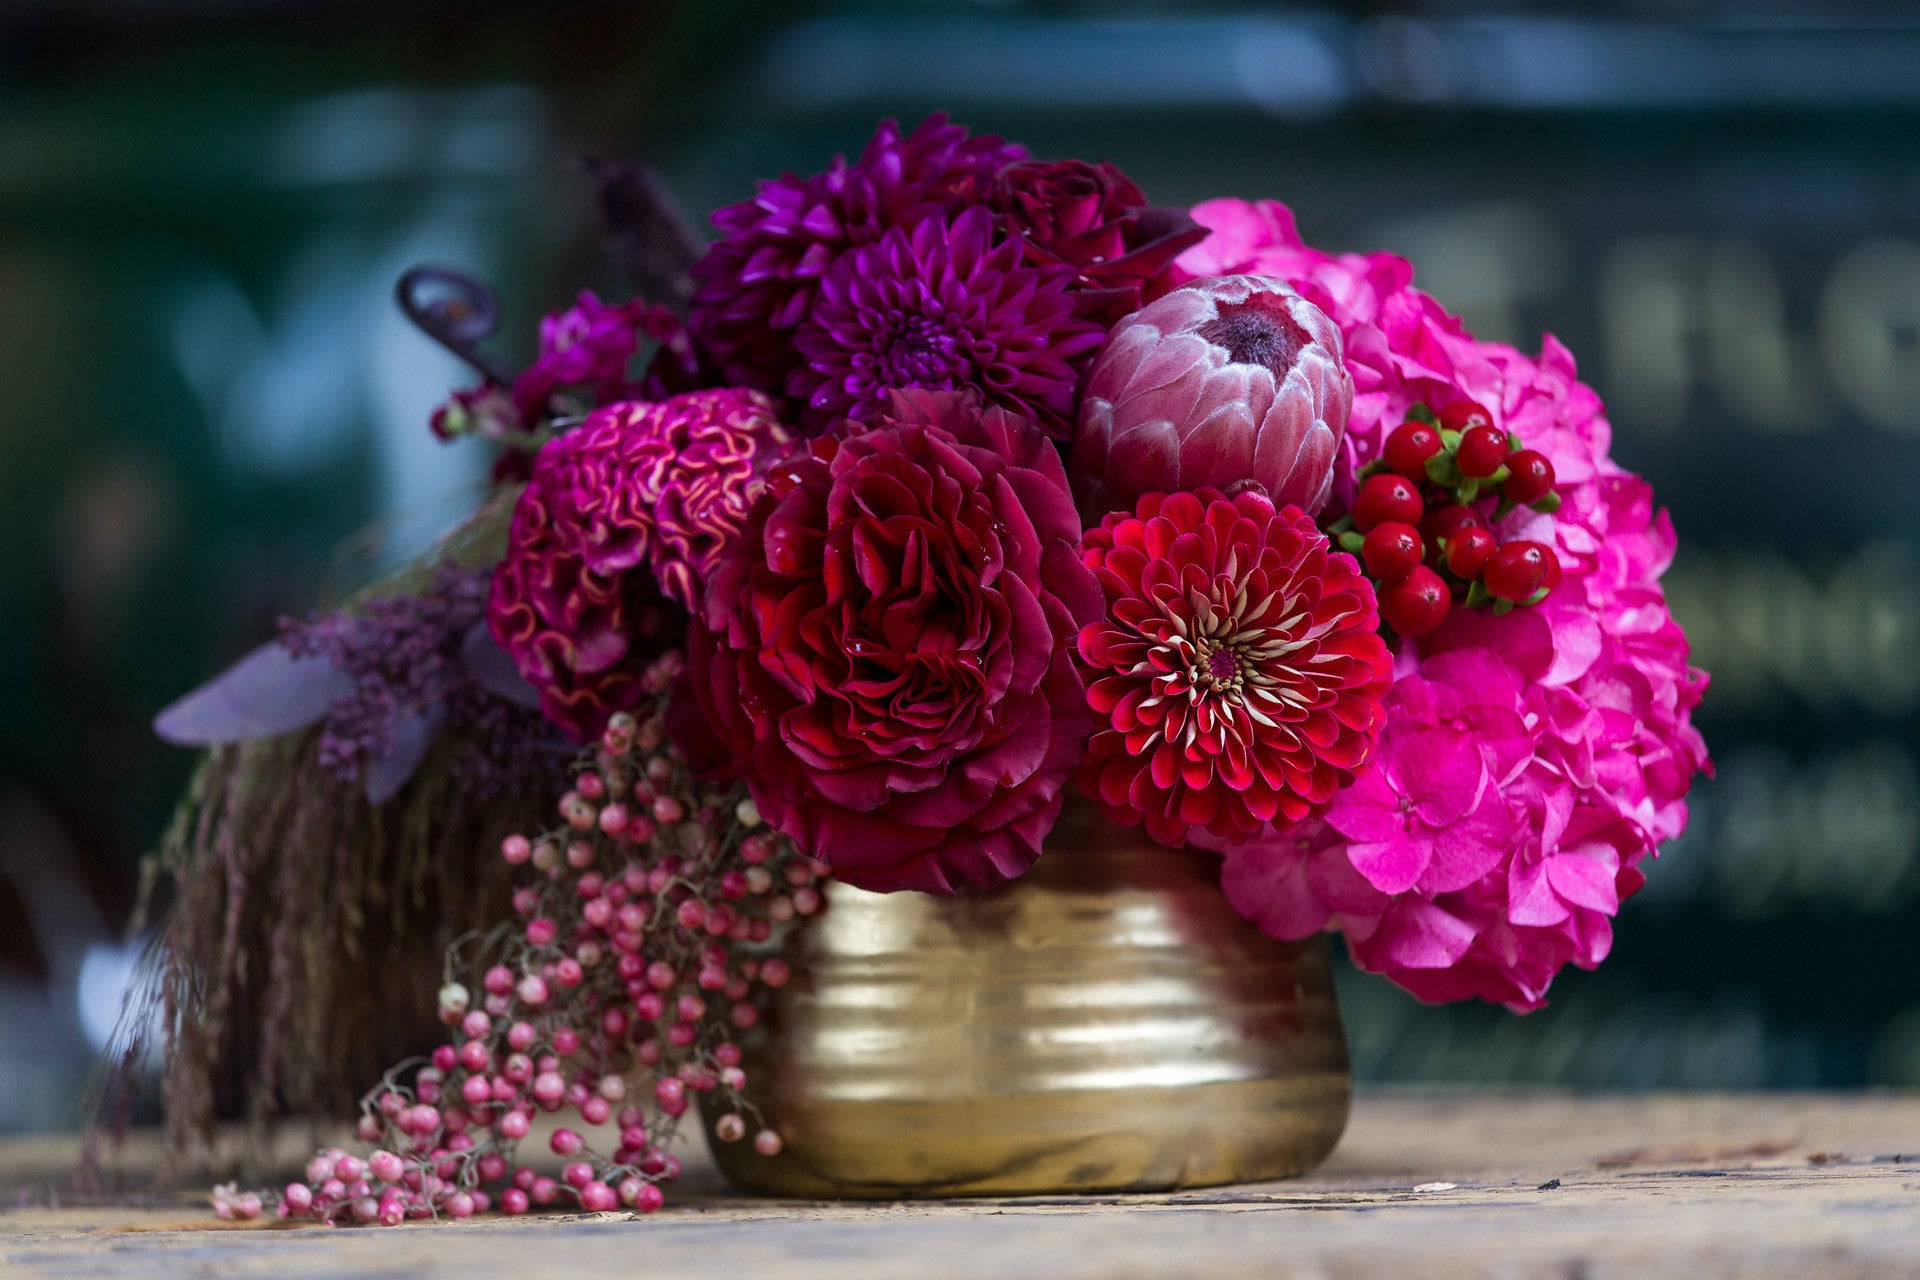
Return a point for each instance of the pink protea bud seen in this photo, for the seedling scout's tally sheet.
(1224, 382)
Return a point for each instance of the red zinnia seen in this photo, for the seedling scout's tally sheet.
(1239, 669)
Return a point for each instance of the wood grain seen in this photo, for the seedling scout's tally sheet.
(1443, 1185)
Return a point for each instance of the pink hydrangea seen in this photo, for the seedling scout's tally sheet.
(1531, 762)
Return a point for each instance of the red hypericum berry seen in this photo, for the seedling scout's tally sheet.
(1463, 415)
(1387, 497)
(1417, 604)
(1517, 570)
(1408, 449)
(1441, 523)
(1467, 551)
(1391, 550)
(1482, 450)
(1531, 476)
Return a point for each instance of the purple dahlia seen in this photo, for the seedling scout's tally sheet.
(943, 307)
(757, 282)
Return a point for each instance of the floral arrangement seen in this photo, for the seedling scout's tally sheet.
(962, 485)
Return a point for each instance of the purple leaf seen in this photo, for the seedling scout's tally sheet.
(494, 671)
(265, 694)
(411, 738)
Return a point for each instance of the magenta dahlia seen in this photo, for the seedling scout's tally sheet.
(758, 281)
(943, 307)
(887, 645)
(1239, 671)
(1221, 383)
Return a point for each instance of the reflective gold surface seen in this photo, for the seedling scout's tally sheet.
(1104, 1023)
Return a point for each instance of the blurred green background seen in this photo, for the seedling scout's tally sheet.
(211, 414)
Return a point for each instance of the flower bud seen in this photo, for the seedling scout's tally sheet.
(1222, 382)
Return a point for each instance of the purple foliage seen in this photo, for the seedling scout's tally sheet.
(405, 657)
(269, 692)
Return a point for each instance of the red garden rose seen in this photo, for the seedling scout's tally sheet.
(1239, 669)
(1092, 217)
(888, 645)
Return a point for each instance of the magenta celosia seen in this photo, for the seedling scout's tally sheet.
(639, 497)
(573, 601)
(943, 307)
(1221, 383)
(1531, 761)
(699, 460)
(757, 282)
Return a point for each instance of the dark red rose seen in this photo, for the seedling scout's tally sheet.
(1093, 218)
(888, 648)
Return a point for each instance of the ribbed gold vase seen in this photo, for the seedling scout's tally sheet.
(1104, 1023)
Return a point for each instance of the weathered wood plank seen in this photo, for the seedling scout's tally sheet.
(1444, 1185)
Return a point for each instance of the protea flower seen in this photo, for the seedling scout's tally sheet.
(1228, 382)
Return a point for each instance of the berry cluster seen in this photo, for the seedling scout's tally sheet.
(651, 924)
(1421, 522)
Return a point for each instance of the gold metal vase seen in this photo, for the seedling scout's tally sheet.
(1104, 1023)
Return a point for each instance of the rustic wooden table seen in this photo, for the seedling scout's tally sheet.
(1442, 1185)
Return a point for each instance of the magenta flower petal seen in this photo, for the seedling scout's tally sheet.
(758, 282)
